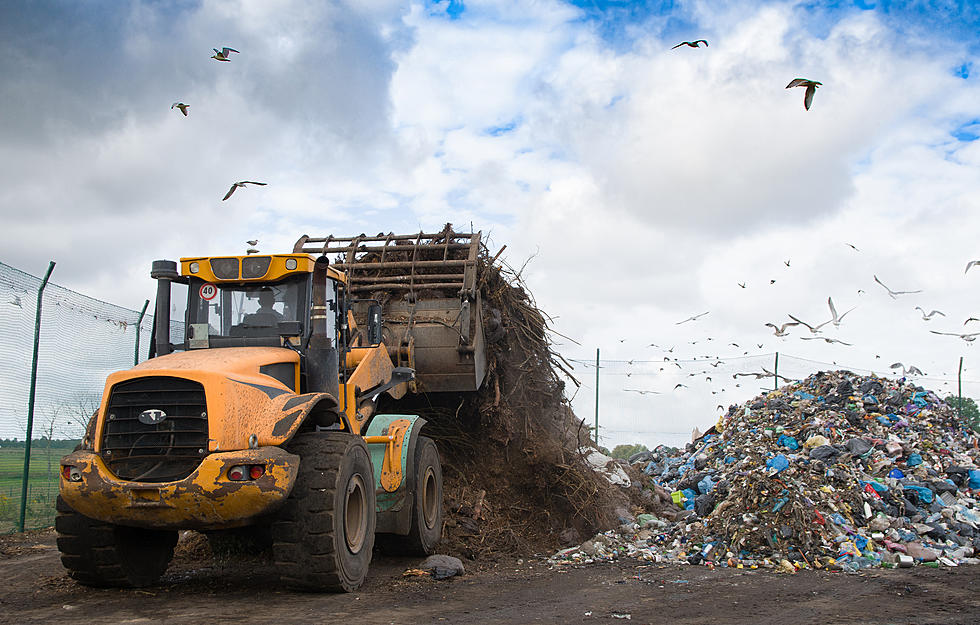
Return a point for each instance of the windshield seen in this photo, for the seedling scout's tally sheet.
(248, 310)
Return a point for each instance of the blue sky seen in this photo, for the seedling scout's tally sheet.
(644, 182)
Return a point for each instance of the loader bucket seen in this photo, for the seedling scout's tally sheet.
(428, 288)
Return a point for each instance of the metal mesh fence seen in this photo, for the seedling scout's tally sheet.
(82, 340)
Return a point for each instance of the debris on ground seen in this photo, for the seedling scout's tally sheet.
(837, 471)
(442, 566)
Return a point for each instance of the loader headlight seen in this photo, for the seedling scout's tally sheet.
(71, 473)
(290, 264)
(255, 266)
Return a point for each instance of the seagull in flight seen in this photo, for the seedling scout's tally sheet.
(833, 312)
(694, 44)
(678, 385)
(825, 339)
(741, 284)
(910, 370)
(641, 392)
(781, 330)
(253, 242)
(813, 329)
(694, 318)
(851, 246)
(15, 301)
(241, 184)
(969, 338)
(180, 105)
(970, 319)
(895, 294)
(927, 317)
(970, 264)
(223, 54)
(811, 88)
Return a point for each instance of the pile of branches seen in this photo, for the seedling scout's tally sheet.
(515, 479)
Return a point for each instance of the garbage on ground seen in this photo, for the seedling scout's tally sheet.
(837, 471)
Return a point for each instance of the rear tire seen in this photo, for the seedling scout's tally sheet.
(324, 533)
(101, 554)
(426, 529)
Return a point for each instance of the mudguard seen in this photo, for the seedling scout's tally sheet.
(394, 507)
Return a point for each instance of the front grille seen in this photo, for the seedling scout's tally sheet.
(161, 452)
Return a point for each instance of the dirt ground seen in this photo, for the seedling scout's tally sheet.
(35, 589)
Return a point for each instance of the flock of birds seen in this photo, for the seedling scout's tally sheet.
(811, 85)
(224, 54)
(783, 329)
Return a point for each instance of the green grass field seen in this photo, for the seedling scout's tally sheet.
(42, 486)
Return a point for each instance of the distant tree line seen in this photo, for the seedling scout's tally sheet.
(13, 443)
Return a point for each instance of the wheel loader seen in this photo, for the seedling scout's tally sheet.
(255, 414)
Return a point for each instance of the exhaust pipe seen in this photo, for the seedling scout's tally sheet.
(322, 358)
(164, 272)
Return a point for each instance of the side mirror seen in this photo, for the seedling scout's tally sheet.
(374, 324)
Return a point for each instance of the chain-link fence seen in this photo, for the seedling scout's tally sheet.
(81, 341)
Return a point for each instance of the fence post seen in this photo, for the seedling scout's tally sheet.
(30, 401)
(959, 392)
(596, 396)
(136, 356)
(775, 374)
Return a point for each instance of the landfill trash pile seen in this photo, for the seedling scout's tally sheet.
(836, 471)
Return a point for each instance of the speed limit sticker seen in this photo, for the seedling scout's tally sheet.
(208, 291)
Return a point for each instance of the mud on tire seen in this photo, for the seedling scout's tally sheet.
(324, 533)
(102, 554)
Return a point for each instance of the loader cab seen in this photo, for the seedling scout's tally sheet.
(242, 314)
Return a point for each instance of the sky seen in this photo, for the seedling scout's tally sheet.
(634, 185)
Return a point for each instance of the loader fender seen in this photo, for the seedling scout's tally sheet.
(394, 501)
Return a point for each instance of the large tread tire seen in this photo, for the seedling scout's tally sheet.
(323, 535)
(426, 529)
(106, 555)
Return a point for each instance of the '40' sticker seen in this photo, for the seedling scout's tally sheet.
(208, 291)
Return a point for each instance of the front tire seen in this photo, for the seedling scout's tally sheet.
(101, 554)
(324, 534)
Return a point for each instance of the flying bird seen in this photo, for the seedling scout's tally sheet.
(694, 44)
(813, 329)
(641, 392)
(970, 264)
(786, 262)
(833, 312)
(772, 282)
(741, 284)
(253, 242)
(180, 105)
(852, 247)
(242, 184)
(970, 319)
(824, 339)
(927, 317)
(223, 54)
(678, 385)
(694, 318)
(251, 250)
(910, 370)
(895, 294)
(969, 338)
(15, 301)
(811, 88)
(781, 330)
